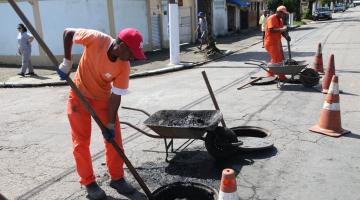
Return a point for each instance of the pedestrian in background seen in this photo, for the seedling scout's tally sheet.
(274, 29)
(102, 77)
(24, 49)
(262, 23)
(202, 29)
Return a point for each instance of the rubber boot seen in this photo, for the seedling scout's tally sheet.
(95, 192)
(122, 187)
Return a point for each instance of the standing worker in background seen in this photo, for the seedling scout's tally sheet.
(24, 49)
(102, 78)
(273, 30)
(202, 29)
(262, 22)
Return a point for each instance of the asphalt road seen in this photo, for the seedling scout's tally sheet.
(35, 146)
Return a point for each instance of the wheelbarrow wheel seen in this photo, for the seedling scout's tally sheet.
(215, 140)
(309, 77)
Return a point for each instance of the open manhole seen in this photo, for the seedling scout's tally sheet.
(253, 138)
(250, 131)
(248, 138)
(185, 191)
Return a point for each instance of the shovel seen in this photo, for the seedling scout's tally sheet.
(104, 130)
(290, 61)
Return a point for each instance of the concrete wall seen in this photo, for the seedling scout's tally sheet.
(219, 17)
(132, 13)
(59, 14)
(252, 15)
(108, 16)
(8, 34)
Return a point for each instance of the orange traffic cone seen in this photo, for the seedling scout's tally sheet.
(330, 72)
(318, 63)
(228, 186)
(330, 119)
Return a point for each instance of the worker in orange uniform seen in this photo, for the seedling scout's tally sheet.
(102, 77)
(273, 31)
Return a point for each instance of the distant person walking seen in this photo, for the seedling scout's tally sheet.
(24, 49)
(262, 22)
(202, 29)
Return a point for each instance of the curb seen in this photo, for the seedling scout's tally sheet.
(30, 85)
(174, 68)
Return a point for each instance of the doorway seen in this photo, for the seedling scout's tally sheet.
(231, 18)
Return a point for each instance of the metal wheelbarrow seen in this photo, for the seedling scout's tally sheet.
(194, 124)
(297, 69)
(299, 73)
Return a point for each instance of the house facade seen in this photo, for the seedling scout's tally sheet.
(244, 14)
(150, 17)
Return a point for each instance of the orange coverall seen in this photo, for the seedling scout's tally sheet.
(96, 77)
(273, 42)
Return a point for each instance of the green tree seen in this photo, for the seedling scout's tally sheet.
(273, 4)
(290, 5)
(324, 2)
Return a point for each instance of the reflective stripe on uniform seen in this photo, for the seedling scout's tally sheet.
(119, 91)
(332, 107)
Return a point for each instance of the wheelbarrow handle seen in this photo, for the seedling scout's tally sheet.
(262, 65)
(259, 61)
(140, 130)
(136, 109)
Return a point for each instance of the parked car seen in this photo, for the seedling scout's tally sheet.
(339, 8)
(322, 13)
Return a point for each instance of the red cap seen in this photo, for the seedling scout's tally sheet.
(133, 39)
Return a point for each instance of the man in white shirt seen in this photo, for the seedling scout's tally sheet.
(262, 22)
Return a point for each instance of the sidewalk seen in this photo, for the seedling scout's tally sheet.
(156, 63)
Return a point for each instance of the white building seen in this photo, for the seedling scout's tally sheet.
(150, 17)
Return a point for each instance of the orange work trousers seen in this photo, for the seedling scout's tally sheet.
(277, 56)
(80, 122)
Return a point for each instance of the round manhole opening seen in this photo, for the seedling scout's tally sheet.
(250, 131)
(185, 191)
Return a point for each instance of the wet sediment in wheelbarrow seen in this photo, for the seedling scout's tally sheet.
(186, 124)
(185, 191)
(249, 138)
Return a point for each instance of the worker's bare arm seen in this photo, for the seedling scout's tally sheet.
(68, 42)
(114, 103)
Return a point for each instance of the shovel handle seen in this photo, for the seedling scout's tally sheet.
(253, 81)
(104, 130)
(288, 44)
(212, 96)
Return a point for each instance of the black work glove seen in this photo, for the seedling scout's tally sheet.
(288, 38)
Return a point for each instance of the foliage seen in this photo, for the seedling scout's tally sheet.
(324, 2)
(291, 5)
(307, 14)
(273, 4)
(299, 23)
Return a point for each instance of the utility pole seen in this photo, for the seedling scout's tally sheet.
(174, 33)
